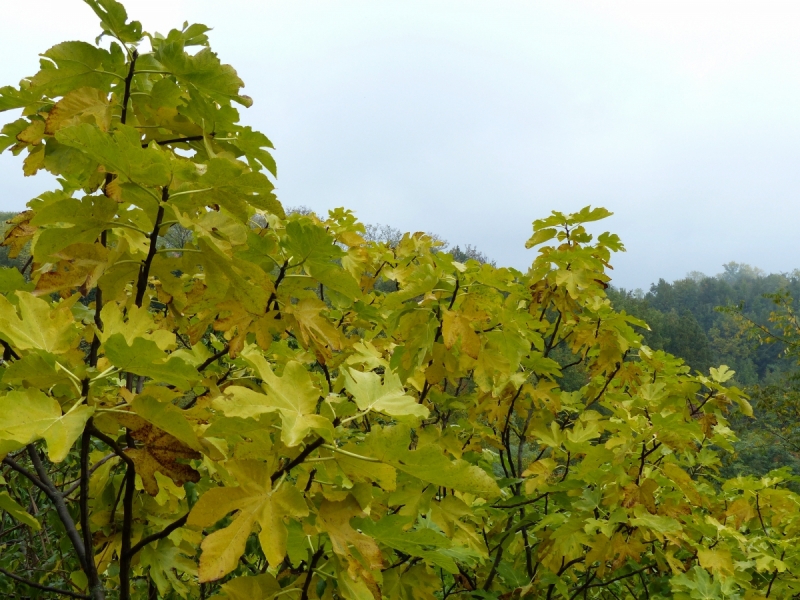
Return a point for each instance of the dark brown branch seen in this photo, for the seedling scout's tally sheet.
(307, 583)
(610, 581)
(86, 530)
(297, 460)
(127, 530)
(213, 358)
(126, 96)
(127, 511)
(273, 297)
(144, 268)
(44, 483)
(8, 351)
(108, 441)
(497, 558)
(98, 301)
(608, 381)
(154, 537)
(191, 138)
(39, 586)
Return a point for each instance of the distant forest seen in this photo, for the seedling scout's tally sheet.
(705, 320)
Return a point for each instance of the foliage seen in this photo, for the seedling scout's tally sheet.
(249, 415)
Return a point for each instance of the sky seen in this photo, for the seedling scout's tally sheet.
(470, 119)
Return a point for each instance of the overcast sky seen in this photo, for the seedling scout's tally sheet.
(472, 119)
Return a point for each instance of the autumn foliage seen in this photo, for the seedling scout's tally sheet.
(279, 408)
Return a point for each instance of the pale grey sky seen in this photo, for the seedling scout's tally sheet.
(471, 119)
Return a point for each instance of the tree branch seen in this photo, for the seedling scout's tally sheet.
(191, 138)
(144, 269)
(126, 96)
(154, 537)
(211, 359)
(311, 565)
(39, 586)
(91, 571)
(297, 460)
(44, 483)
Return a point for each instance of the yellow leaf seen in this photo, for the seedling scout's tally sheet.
(716, 560)
(29, 415)
(84, 105)
(34, 161)
(456, 325)
(32, 134)
(314, 328)
(38, 325)
(682, 480)
(256, 502)
(294, 395)
(741, 510)
(334, 519)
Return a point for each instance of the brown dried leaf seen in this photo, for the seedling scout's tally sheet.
(19, 234)
(160, 453)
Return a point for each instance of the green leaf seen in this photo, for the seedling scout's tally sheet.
(11, 98)
(114, 20)
(429, 463)
(541, 236)
(203, 72)
(391, 530)
(71, 65)
(165, 562)
(252, 144)
(144, 357)
(12, 280)
(72, 221)
(120, 152)
(231, 185)
(312, 247)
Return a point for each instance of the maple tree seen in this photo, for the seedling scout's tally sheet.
(280, 408)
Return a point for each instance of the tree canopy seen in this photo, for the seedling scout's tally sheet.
(281, 408)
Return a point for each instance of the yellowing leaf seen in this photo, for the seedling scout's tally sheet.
(256, 502)
(388, 397)
(456, 325)
(716, 560)
(19, 234)
(29, 415)
(38, 325)
(314, 328)
(334, 519)
(250, 587)
(682, 480)
(294, 395)
(84, 105)
(428, 463)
